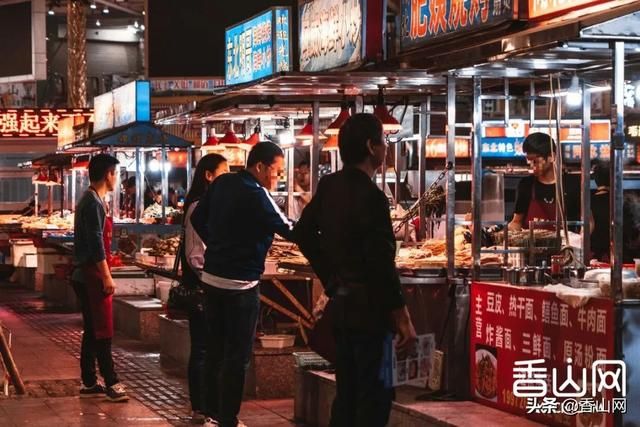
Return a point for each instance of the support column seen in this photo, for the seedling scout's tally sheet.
(77, 54)
(617, 152)
(476, 176)
(451, 176)
(586, 176)
(422, 167)
(314, 161)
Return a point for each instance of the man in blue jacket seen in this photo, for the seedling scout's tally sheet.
(236, 219)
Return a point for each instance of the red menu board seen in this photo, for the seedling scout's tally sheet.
(510, 327)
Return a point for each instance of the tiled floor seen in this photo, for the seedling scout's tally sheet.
(46, 345)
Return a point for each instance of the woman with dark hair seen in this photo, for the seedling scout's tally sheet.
(600, 241)
(209, 168)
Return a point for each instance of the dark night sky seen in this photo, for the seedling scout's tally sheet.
(186, 38)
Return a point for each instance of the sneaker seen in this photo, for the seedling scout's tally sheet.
(97, 390)
(117, 393)
(197, 417)
(210, 422)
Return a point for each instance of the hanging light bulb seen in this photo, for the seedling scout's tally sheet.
(51, 11)
(136, 25)
(93, 5)
(211, 141)
(334, 127)
(574, 94)
(389, 123)
(142, 27)
(105, 10)
(154, 165)
(98, 22)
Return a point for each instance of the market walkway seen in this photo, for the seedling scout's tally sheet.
(46, 345)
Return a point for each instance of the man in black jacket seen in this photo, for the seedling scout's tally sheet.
(346, 234)
(237, 219)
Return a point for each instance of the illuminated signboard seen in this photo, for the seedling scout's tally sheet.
(331, 34)
(425, 20)
(187, 85)
(73, 129)
(35, 123)
(538, 8)
(127, 104)
(250, 47)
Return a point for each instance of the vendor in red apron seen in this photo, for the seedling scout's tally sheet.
(536, 197)
(92, 281)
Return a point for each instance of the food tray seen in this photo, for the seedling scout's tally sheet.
(277, 341)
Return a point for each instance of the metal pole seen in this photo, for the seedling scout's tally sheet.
(586, 178)
(165, 182)
(451, 176)
(422, 165)
(617, 151)
(558, 166)
(290, 153)
(476, 177)
(36, 196)
(398, 168)
(139, 185)
(73, 189)
(117, 192)
(616, 201)
(189, 168)
(315, 148)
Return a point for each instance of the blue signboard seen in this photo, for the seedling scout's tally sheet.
(250, 47)
(283, 43)
(424, 20)
(502, 147)
(331, 34)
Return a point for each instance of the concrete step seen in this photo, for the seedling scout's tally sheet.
(138, 317)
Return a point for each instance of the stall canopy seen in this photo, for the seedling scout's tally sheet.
(134, 135)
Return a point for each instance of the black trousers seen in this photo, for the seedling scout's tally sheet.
(231, 317)
(197, 357)
(93, 349)
(362, 398)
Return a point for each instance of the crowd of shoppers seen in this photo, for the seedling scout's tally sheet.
(345, 232)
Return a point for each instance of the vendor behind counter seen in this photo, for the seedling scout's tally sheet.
(536, 197)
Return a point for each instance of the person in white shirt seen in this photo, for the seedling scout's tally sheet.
(208, 169)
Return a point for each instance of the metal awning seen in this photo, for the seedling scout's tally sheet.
(134, 135)
(288, 94)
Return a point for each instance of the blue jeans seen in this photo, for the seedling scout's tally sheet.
(231, 317)
(362, 397)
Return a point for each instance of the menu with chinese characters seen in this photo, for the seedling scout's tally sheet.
(511, 327)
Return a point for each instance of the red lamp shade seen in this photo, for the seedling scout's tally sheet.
(306, 133)
(334, 128)
(253, 139)
(331, 144)
(229, 138)
(211, 141)
(389, 123)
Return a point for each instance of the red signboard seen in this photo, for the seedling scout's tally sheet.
(538, 8)
(35, 123)
(513, 324)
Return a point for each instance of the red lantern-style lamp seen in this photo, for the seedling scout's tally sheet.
(389, 123)
(334, 127)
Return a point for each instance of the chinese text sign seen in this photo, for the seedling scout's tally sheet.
(509, 325)
(331, 33)
(35, 123)
(424, 20)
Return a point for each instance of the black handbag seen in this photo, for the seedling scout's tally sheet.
(187, 295)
